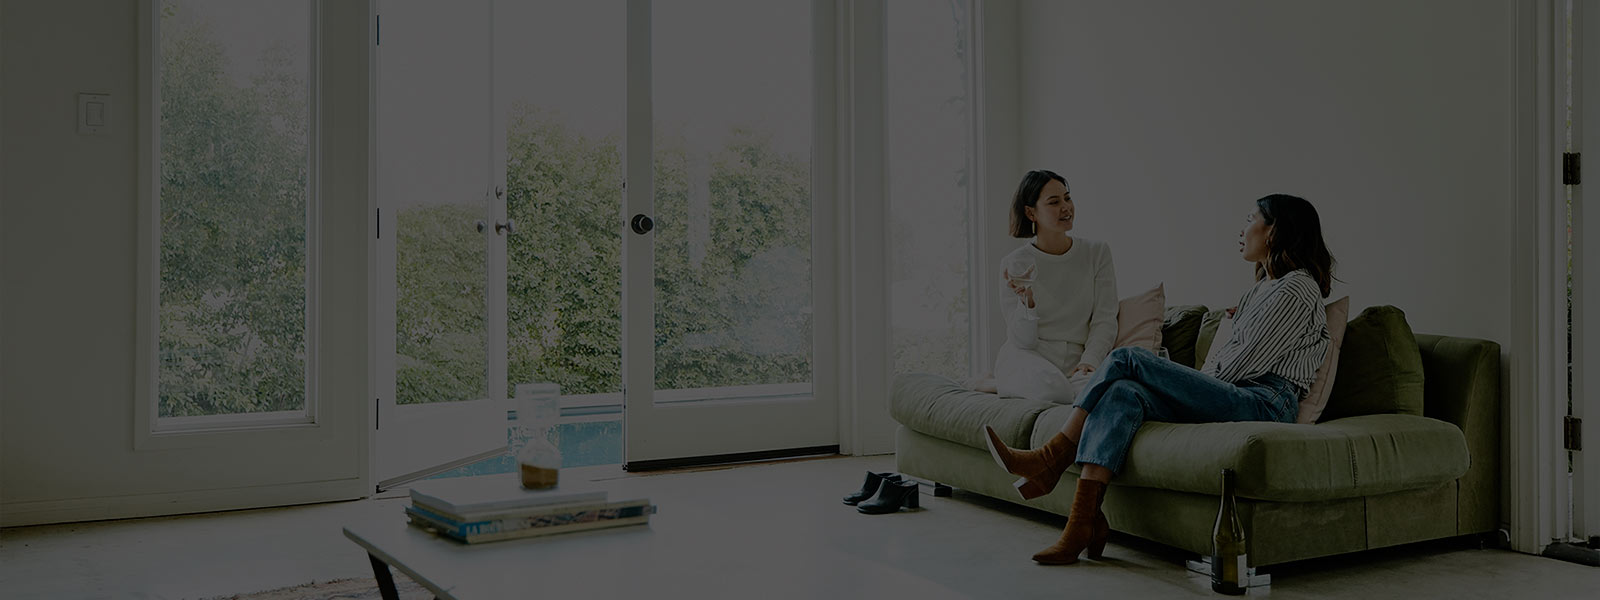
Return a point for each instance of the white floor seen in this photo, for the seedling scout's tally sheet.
(967, 546)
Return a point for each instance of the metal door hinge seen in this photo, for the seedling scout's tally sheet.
(1572, 433)
(1571, 168)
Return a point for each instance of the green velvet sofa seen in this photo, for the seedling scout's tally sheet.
(1347, 483)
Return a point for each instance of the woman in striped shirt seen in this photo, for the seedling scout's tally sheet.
(1279, 337)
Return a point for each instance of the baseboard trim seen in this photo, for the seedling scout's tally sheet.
(719, 459)
(43, 512)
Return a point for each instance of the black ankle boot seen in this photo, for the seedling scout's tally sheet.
(891, 496)
(870, 486)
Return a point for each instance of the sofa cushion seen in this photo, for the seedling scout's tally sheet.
(1347, 458)
(935, 406)
(1180, 328)
(1380, 367)
(1403, 452)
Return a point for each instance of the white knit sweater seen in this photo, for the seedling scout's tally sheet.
(1074, 297)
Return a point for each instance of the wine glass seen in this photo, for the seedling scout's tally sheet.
(1020, 269)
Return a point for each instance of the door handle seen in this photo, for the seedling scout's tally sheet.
(502, 228)
(642, 224)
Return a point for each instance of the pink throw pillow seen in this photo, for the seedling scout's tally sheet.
(1317, 397)
(1139, 319)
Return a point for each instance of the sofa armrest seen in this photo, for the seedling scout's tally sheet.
(1461, 385)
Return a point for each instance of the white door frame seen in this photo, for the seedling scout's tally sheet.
(865, 357)
(1586, 266)
(1535, 475)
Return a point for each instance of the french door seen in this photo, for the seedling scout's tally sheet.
(556, 207)
(724, 155)
(441, 235)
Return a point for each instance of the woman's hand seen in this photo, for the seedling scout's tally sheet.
(1084, 368)
(1024, 292)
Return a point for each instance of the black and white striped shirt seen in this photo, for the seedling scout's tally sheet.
(1281, 328)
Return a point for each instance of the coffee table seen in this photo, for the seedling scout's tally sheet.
(716, 535)
(565, 565)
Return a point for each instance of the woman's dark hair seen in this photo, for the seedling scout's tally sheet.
(1028, 195)
(1295, 241)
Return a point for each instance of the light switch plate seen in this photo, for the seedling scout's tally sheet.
(94, 113)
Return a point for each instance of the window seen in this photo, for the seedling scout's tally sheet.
(733, 200)
(929, 145)
(235, 132)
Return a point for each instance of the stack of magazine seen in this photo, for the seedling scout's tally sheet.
(486, 509)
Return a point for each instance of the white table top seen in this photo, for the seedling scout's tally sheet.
(705, 542)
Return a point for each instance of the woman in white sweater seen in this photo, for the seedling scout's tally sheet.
(1064, 317)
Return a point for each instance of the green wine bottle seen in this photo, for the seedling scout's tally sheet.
(1229, 573)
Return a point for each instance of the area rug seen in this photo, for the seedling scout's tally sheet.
(340, 589)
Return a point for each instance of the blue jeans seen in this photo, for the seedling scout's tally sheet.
(1134, 385)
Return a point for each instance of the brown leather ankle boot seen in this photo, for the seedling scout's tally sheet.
(1039, 468)
(1087, 528)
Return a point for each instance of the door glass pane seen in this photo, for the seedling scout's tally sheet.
(434, 170)
(732, 103)
(564, 126)
(561, 80)
(233, 205)
(929, 143)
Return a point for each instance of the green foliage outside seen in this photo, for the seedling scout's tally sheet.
(440, 329)
(564, 265)
(233, 223)
(732, 303)
(738, 313)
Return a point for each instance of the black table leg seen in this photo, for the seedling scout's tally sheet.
(380, 571)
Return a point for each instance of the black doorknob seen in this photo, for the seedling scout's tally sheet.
(642, 224)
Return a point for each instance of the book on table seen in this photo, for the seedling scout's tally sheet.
(531, 522)
(473, 498)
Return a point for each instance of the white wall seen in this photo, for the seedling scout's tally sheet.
(1394, 118)
(67, 249)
